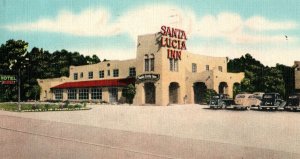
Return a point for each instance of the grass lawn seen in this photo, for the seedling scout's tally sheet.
(41, 107)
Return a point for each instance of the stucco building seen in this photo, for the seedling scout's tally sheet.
(160, 77)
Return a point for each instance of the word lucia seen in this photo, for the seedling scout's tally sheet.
(174, 40)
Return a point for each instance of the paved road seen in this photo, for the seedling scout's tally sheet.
(32, 138)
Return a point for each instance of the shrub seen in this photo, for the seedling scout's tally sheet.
(70, 106)
(77, 106)
(66, 104)
(122, 100)
(47, 106)
(209, 93)
(103, 102)
(34, 107)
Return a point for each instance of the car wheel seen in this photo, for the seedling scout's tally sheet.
(223, 106)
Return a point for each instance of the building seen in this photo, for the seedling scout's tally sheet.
(297, 76)
(163, 72)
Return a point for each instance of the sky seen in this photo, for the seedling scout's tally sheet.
(267, 29)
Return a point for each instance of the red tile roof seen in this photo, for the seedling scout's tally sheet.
(97, 83)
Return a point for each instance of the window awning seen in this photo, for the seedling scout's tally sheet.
(97, 83)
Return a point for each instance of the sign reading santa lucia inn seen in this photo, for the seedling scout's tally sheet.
(174, 39)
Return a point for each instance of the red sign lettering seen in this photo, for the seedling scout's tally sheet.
(174, 40)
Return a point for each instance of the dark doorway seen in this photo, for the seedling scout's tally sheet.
(113, 95)
(199, 92)
(173, 92)
(223, 88)
(149, 88)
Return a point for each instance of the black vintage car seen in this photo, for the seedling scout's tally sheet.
(220, 101)
(272, 101)
(292, 103)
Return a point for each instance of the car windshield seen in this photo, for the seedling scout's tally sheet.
(215, 97)
(240, 96)
(268, 96)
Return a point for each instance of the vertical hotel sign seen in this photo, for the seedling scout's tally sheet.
(7, 79)
(174, 39)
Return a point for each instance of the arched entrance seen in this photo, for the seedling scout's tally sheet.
(173, 92)
(199, 92)
(149, 89)
(236, 89)
(223, 88)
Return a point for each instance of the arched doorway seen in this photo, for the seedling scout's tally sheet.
(236, 89)
(149, 89)
(199, 92)
(223, 88)
(173, 92)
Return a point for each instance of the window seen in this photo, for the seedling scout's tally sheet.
(72, 94)
(84, 93)
(220, 68)
(149, 63)
(108, 72)
(58, 94)
(152, 63)
(101, 74)
(81, 75)
(194, 67)
(207, 67)
(174, 65)
(132, 72)
(146, 63)
(75, 76)
(96, 93)
(90, 75)
(116, 72)
(171, 64)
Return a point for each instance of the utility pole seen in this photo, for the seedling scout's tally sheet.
(19, 90)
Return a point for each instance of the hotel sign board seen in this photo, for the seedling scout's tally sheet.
(147, 77)
(7, 79)
(175, 40)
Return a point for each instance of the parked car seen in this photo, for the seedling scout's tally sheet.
(242, 101)
(272, 101)
(255, 99)
(220, 101)
(292, 103)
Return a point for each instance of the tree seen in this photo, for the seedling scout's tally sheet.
(42, 64)
(13, 59)
(209, 93)
(260, 78)
(288, 74)
(273, 81)
(129, 92)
